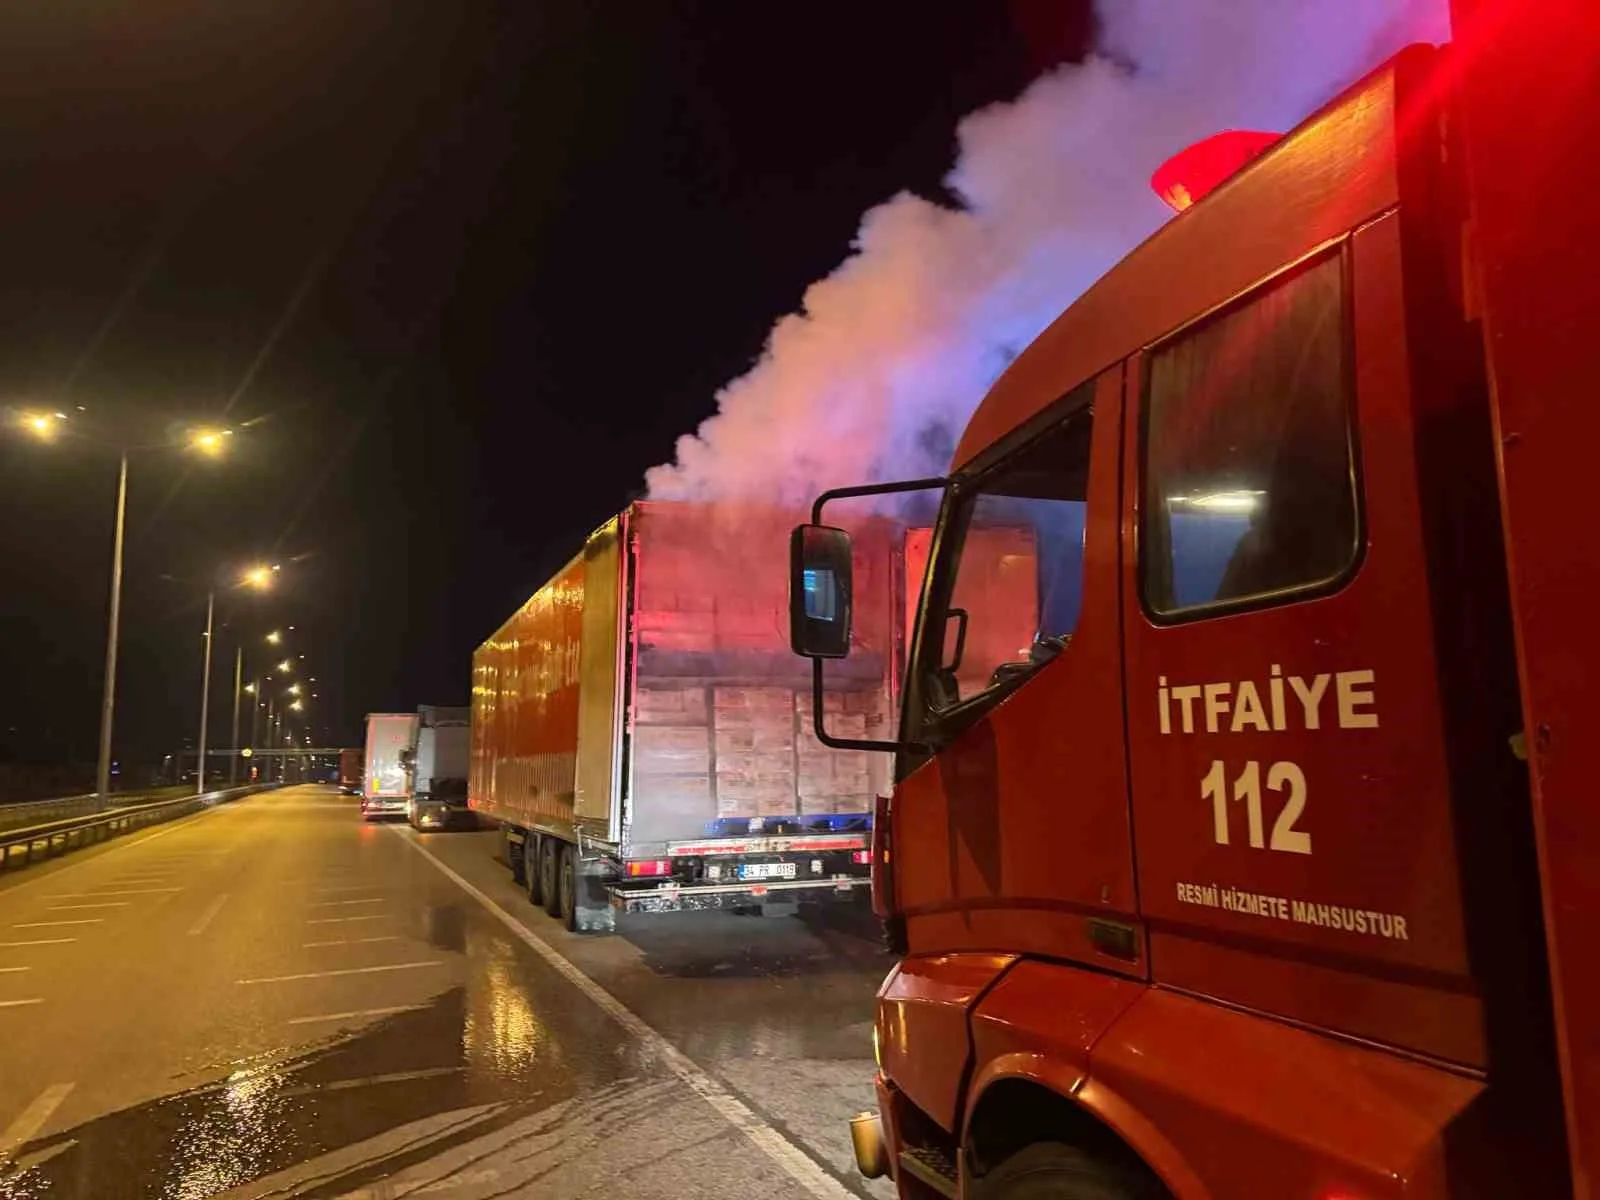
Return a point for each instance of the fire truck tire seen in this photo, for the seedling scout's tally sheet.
(567, 872)
(1052, 1171)
(550, 874)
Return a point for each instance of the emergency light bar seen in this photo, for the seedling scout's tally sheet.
(1191, 174)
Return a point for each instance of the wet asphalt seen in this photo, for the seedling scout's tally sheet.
(274, 999)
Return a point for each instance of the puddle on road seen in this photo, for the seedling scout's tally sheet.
(508, 1044)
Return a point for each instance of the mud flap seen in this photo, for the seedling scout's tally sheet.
(595, 914)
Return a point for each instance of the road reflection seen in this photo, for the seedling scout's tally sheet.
(508, 1044)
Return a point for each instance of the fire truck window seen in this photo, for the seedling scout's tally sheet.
(1019, 577)
(1249, 487)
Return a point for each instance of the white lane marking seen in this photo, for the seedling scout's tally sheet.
(39, 1157)
(37, 942)
(102, 904)
(340, 1085)
(387, 937)
(333, 903)
(113, 892)
(360, 1012)
(336, 920)
(21, 1003)
(13, 970)
(211, 911)
(49, 924)
(406, 966)
(794, 1161)
(32, 1119)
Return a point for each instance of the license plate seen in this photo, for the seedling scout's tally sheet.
(766, 870)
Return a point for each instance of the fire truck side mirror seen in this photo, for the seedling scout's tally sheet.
(819, 591)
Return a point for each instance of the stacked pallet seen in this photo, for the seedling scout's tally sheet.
(705, 752)
(837, 781)
(755, 764)
(672, 749)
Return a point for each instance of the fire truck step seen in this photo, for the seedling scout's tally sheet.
(933, 1167)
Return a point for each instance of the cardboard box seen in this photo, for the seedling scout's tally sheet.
(670, 706)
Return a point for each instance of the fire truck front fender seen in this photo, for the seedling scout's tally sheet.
(922, 1040)
(1033, 1035)
(1214, 1101)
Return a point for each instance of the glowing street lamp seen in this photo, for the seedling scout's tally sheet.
(274, 638)
(260, 578)
(286, 666)
(294, 689)
(43, 426)
(210, 442)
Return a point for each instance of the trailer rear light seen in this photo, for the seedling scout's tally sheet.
(861, 857)
(1201, 168)
(654, 866)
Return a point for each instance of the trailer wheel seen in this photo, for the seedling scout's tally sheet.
(550, 874)
(569, 887)
(530, 868)
(1053, 1171)
(514, 857)
(533, 855)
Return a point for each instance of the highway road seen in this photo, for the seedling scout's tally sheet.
(272, 998)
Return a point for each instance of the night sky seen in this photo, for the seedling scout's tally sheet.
(458, 272)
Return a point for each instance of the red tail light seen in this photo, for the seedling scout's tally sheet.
(1190, 174)
(861, 857)
(654, 866)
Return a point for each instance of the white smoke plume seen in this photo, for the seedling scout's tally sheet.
(877, 373)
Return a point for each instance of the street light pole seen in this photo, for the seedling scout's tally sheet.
(102, 773)
(205, 695)
(238, 694)
(208, 441)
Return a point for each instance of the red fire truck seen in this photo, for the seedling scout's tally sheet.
(1215, 861)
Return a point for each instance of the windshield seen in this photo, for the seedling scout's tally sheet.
(1018, 571)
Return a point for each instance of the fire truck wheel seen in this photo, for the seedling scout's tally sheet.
(550, 874)
(1052, 1171)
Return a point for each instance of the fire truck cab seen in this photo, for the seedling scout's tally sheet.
(1212, 860)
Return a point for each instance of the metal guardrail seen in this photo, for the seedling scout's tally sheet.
(25, 813)
(48, 838)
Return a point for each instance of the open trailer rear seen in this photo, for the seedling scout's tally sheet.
(643, 734)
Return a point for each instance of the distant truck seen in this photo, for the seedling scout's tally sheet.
(385, 784)
(437, 763)
(643, 735)
(350, 772)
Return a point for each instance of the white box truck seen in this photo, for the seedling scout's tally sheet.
(385, 783)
